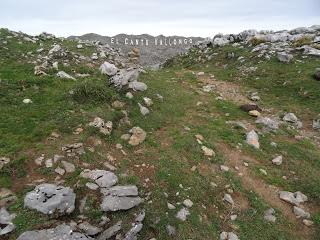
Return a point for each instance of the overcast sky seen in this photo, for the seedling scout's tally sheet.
(169, 17)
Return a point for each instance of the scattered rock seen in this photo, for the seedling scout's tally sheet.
(132, 233)
(208, 151)
(104, 128)
(110, 232)
(277, 160)
(129, 95)
(138, 86)
(104, 179)
(271, 124)
(88, 229)
(294, 198)
(228, 236)
(290, 117)
(269, 215)
(143, 110)
(171, 231)
(316, 124)
(4, 161)
(108, 69)
(92, 186)
(182, 214)
(137, 137)
(121, 191)
(115, 203)
(300, 213)
(307, 222)
(224, 168)
(6, 197)
(250, 107)
(27, 101)
(50, 199)
(60, 171)
(64, 75)
(69, 167)
(147, 101)
(6, 225)
(254, 113)
(171, 206)
(284, 57)
(188, 203)
(60, 232)
(253, 139)
(227, 197)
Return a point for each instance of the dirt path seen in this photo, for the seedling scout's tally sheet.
(268, 193)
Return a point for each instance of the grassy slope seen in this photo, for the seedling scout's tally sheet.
(169, 147)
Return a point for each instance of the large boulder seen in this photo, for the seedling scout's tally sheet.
(108, 69)
(50, 199)
(116, 203)
(63, 232)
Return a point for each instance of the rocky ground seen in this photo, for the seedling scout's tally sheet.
(221, 143)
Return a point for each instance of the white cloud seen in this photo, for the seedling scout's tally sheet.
(189, 18)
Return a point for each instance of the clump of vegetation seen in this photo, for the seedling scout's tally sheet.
(93, 92)
(256, 41)
(302, 41)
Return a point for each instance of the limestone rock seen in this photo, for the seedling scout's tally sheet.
(6, 225)
(137, 137)
(300, 213)
(110, 232)
(104, 179)
(104, 127)
(182, 214)
(115, 203)
(63, 231)
(138, 86)
(294, 198)
(50, 199)
(253, 139)
(108, 69)
(208, 151)
(89, 229)
(121, 191)
(4, 161)
(143, 110)
(277, 160)
(284, 57)
(269, 215)
(64, 75)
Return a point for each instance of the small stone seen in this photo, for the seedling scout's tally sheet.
(129, 95)
(89, 229)
(115, 203)
(110, 232)
(4, 161)
(269, 215)
(233, 217)
(224, 168)
(92, 186)
(263, 171)
(147, 101)
(69, 167)
(137, 137)
(284, 57)
(27, 101)
(171, 206)
(290, 117)
(188, 203)
(300, 213)
(171, 230)
(64, 75)
(227, 197)
(125, 137)
(60, 171)
(277, 161)
(208, 151)
(49, 163)
(294, 198)
(253, 139)
(254, 113)
(143, 110)
(182, 214)
(307, 222)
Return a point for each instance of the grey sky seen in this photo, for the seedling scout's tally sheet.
(168, 17)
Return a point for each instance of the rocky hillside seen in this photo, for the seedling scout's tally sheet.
(222, 142)
(153, 50)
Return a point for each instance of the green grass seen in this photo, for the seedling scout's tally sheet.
(169, 147)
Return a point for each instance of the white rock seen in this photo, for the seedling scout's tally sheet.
(300, 213)
(208, 151)
(188, 203)
(108, 69)
(227, 197)
(143, 110)
(277, 160)
(64, 75)
(253, 139)
(27, 101)
(182, 214)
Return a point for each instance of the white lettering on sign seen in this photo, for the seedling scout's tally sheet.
(158, 41)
